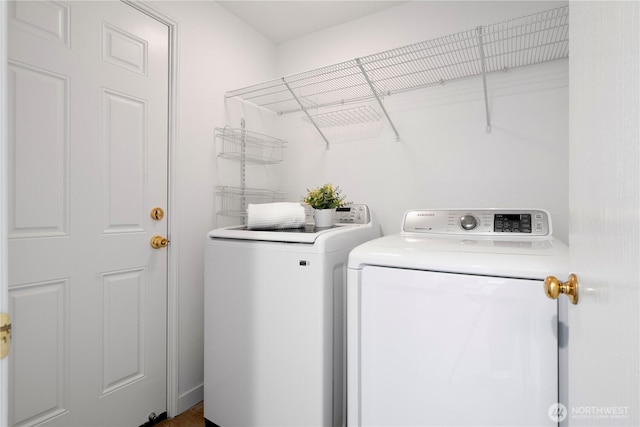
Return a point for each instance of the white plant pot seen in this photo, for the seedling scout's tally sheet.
(323, 217)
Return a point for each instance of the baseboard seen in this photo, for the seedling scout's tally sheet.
(189, 398)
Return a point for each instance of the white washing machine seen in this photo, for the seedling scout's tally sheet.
(274, 322)
(448, 322)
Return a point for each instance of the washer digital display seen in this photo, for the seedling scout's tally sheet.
(512, 223)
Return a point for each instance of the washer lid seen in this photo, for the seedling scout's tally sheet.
(347, 217)
(307, 234)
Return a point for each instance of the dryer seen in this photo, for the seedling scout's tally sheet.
(448, 323)
(274, 322)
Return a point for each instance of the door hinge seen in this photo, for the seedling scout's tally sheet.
(5, 334)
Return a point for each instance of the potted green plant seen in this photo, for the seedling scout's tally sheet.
(324, 200)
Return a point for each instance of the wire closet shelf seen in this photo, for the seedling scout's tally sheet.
(518, 42)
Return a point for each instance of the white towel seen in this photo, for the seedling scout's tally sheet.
(275, 216)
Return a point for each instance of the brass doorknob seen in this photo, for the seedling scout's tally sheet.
(158, 242)
(553, 288)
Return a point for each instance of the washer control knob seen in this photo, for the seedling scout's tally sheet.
(468, 222)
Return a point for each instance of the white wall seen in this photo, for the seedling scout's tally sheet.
(407, 23)
(445, 158)
(217, 53)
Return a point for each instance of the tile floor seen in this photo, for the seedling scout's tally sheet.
(193, 417)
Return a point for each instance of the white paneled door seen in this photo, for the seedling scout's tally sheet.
(604, 328)
(87, 144)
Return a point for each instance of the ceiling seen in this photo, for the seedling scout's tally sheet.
(281, 21)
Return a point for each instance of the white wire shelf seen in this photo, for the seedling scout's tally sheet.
(249, 146)
(234, 200)
(527, 40)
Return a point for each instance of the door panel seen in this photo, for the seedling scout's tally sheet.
(49, 20)
(88, 86)
(123, 331)
(124, 136)
(39, 193)
(40, 347)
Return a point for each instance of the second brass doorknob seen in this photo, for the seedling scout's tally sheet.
(158, 242)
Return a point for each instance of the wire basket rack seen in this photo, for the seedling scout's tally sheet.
(249, 146)
(359, 114)
(234, 200)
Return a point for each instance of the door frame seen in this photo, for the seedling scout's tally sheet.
(4, 261)
(172, 267)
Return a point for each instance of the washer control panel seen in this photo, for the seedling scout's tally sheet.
(484, 222)
(352, 214)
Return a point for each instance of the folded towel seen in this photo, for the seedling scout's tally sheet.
(275, 216)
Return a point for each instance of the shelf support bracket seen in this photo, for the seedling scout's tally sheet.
(375, 93)
(484, 76)
(326, 141)
(243, 167)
